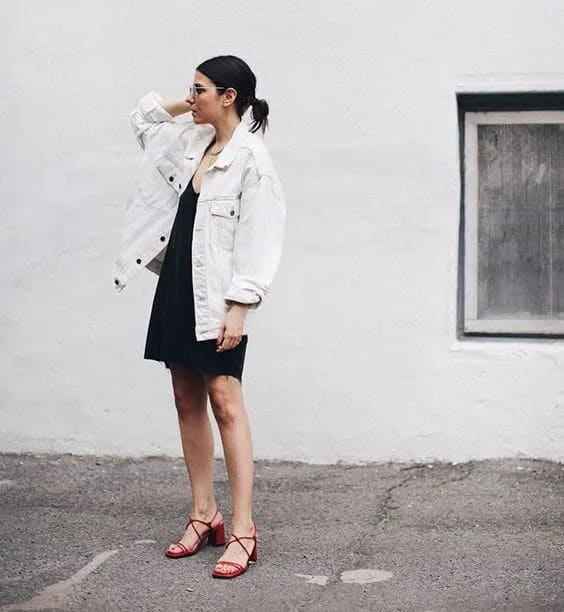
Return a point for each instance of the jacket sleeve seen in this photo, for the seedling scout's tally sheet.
(258, 240)
(149, 117)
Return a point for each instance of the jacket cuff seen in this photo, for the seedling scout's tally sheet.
(151, 106)
(245, 296)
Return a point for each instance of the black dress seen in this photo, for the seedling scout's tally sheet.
(171, 336)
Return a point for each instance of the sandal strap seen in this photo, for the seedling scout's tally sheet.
(207, 523)
(180, 545)
(238, 539)
(233, 563)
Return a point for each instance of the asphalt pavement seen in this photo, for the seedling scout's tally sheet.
(87, 533)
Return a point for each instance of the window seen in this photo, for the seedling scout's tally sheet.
(512, 223)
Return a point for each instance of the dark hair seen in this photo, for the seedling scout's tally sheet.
(231, 71)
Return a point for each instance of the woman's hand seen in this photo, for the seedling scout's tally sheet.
(231, 327)
(178, 107)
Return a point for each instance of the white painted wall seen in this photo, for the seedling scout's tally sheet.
(355, 356)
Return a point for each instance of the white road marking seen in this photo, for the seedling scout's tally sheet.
(311, 579)
(144, 542)
(54, 595)
(365, 576)
(5, 483)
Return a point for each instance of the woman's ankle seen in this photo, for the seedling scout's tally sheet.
(205, 510)
(243, 526)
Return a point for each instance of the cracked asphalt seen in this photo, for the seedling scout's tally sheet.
(88, 533)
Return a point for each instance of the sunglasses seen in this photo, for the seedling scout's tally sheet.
(196, 90)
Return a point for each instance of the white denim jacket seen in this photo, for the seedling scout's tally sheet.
(240, 216)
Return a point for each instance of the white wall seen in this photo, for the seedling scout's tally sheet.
(355, 355)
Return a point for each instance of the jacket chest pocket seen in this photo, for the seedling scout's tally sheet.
(161, 184)
(224, 214)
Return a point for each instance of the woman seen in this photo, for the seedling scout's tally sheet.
(225, 231)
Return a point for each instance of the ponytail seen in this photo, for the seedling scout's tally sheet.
(260, 114)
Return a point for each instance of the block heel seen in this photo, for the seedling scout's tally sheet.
(217, 535)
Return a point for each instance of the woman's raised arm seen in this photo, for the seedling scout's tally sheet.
(152, 112)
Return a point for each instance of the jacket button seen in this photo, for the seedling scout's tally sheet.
(171, 178)
(138, 261)
(116, 281)
(179, 186)
(163, 238)
(232, 213)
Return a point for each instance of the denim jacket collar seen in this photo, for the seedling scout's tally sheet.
(229, 152)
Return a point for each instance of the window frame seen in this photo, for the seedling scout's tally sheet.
(471, 325)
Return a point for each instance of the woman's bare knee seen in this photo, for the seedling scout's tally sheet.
(225, 397)
(189, 390)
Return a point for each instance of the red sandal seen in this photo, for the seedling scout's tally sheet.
(239, 569)
(215, 535)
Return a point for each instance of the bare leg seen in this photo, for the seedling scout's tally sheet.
(226, 397)
(197, 445)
